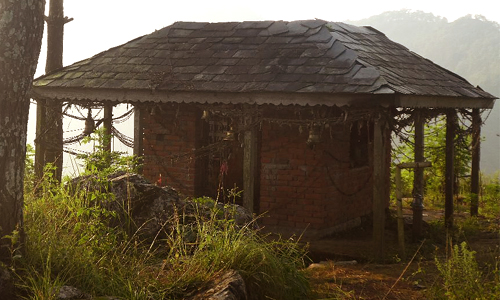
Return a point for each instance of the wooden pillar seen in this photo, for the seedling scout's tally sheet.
(380, 185)
(138, 133)
(450, 166)
(418, 180)
(249, 166)
(39, 139)
(108, 124)
(476, 156)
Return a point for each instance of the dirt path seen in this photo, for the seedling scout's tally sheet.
(367, 280)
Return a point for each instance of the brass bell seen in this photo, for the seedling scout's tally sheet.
(89, 124)
(230, 135)
(314, 137)
(205, 115)
(155, 110)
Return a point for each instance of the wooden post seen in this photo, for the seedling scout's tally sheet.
(380, 182)
(418, 180)
(249, 166)
(399, 201)
(399, 205)
(108, 124)
(138, 133)
(40, 139)
(476, 156)
(450, 166)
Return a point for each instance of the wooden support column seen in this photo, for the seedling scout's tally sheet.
(249, 166)
(138, 133)
(418, 178)
(476, 156)
(39, 139)
(451, 118)
(380, 185)
(108, 124)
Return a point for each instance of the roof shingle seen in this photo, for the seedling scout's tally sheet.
(271, 56)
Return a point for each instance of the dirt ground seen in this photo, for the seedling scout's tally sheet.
(343, 266)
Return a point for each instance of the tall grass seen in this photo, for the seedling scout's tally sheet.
(69, 242)
(462, 278)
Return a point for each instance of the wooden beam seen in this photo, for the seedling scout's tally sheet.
(418, 178)
(249, 166)
(108, 124)
(399, 200)
(399, 206)
(138, 132)
(475, 167)
(451, 120)
(39, 140)
(380, 185)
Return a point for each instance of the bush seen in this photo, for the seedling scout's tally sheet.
(69, 243)
(462, 278)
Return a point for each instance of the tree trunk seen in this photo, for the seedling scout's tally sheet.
(49, 126)
(21, 30)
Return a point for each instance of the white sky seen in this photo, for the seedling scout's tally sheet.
(101, 24)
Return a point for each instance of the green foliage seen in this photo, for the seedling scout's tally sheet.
(104, 162)
(29, 169)
(462, 278)
(70, 242)
(490, 196)
(434, 152)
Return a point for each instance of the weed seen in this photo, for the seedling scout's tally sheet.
(461, 276)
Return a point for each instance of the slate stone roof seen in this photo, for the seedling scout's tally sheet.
(312, 56)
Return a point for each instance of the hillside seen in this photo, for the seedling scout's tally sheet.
(468, 46)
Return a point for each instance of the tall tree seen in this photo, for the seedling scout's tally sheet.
(21, 30)
(49, 141)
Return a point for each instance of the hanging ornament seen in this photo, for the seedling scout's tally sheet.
(155, 110)
(205, 115)
(314, 137)
(230, 135)
(89, 124)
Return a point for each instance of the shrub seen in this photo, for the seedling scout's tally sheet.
(462, 278)
(69, 243)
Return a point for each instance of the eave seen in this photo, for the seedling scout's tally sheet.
(260, 98)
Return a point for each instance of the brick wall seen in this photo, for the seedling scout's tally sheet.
(313, 188)
(170, 137)
(301, 187)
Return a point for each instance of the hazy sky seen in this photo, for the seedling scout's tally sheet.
(101, 24)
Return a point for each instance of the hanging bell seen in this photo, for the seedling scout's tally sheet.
(155, 110)
(230, 135)
(314, 137)
(89, 124)
(205, 115)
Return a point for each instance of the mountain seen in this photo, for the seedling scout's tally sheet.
(469, 46)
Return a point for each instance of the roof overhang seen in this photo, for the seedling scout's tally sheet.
(443, 102)
(260, 98)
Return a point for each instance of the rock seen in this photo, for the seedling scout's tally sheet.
(316, 266)
(346, 263)
(230, 286)
(146, 209)
(70, 292)
(6, 284)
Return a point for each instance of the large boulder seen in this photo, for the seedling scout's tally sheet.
(149, 210)
(229, 286)
(6, 283)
